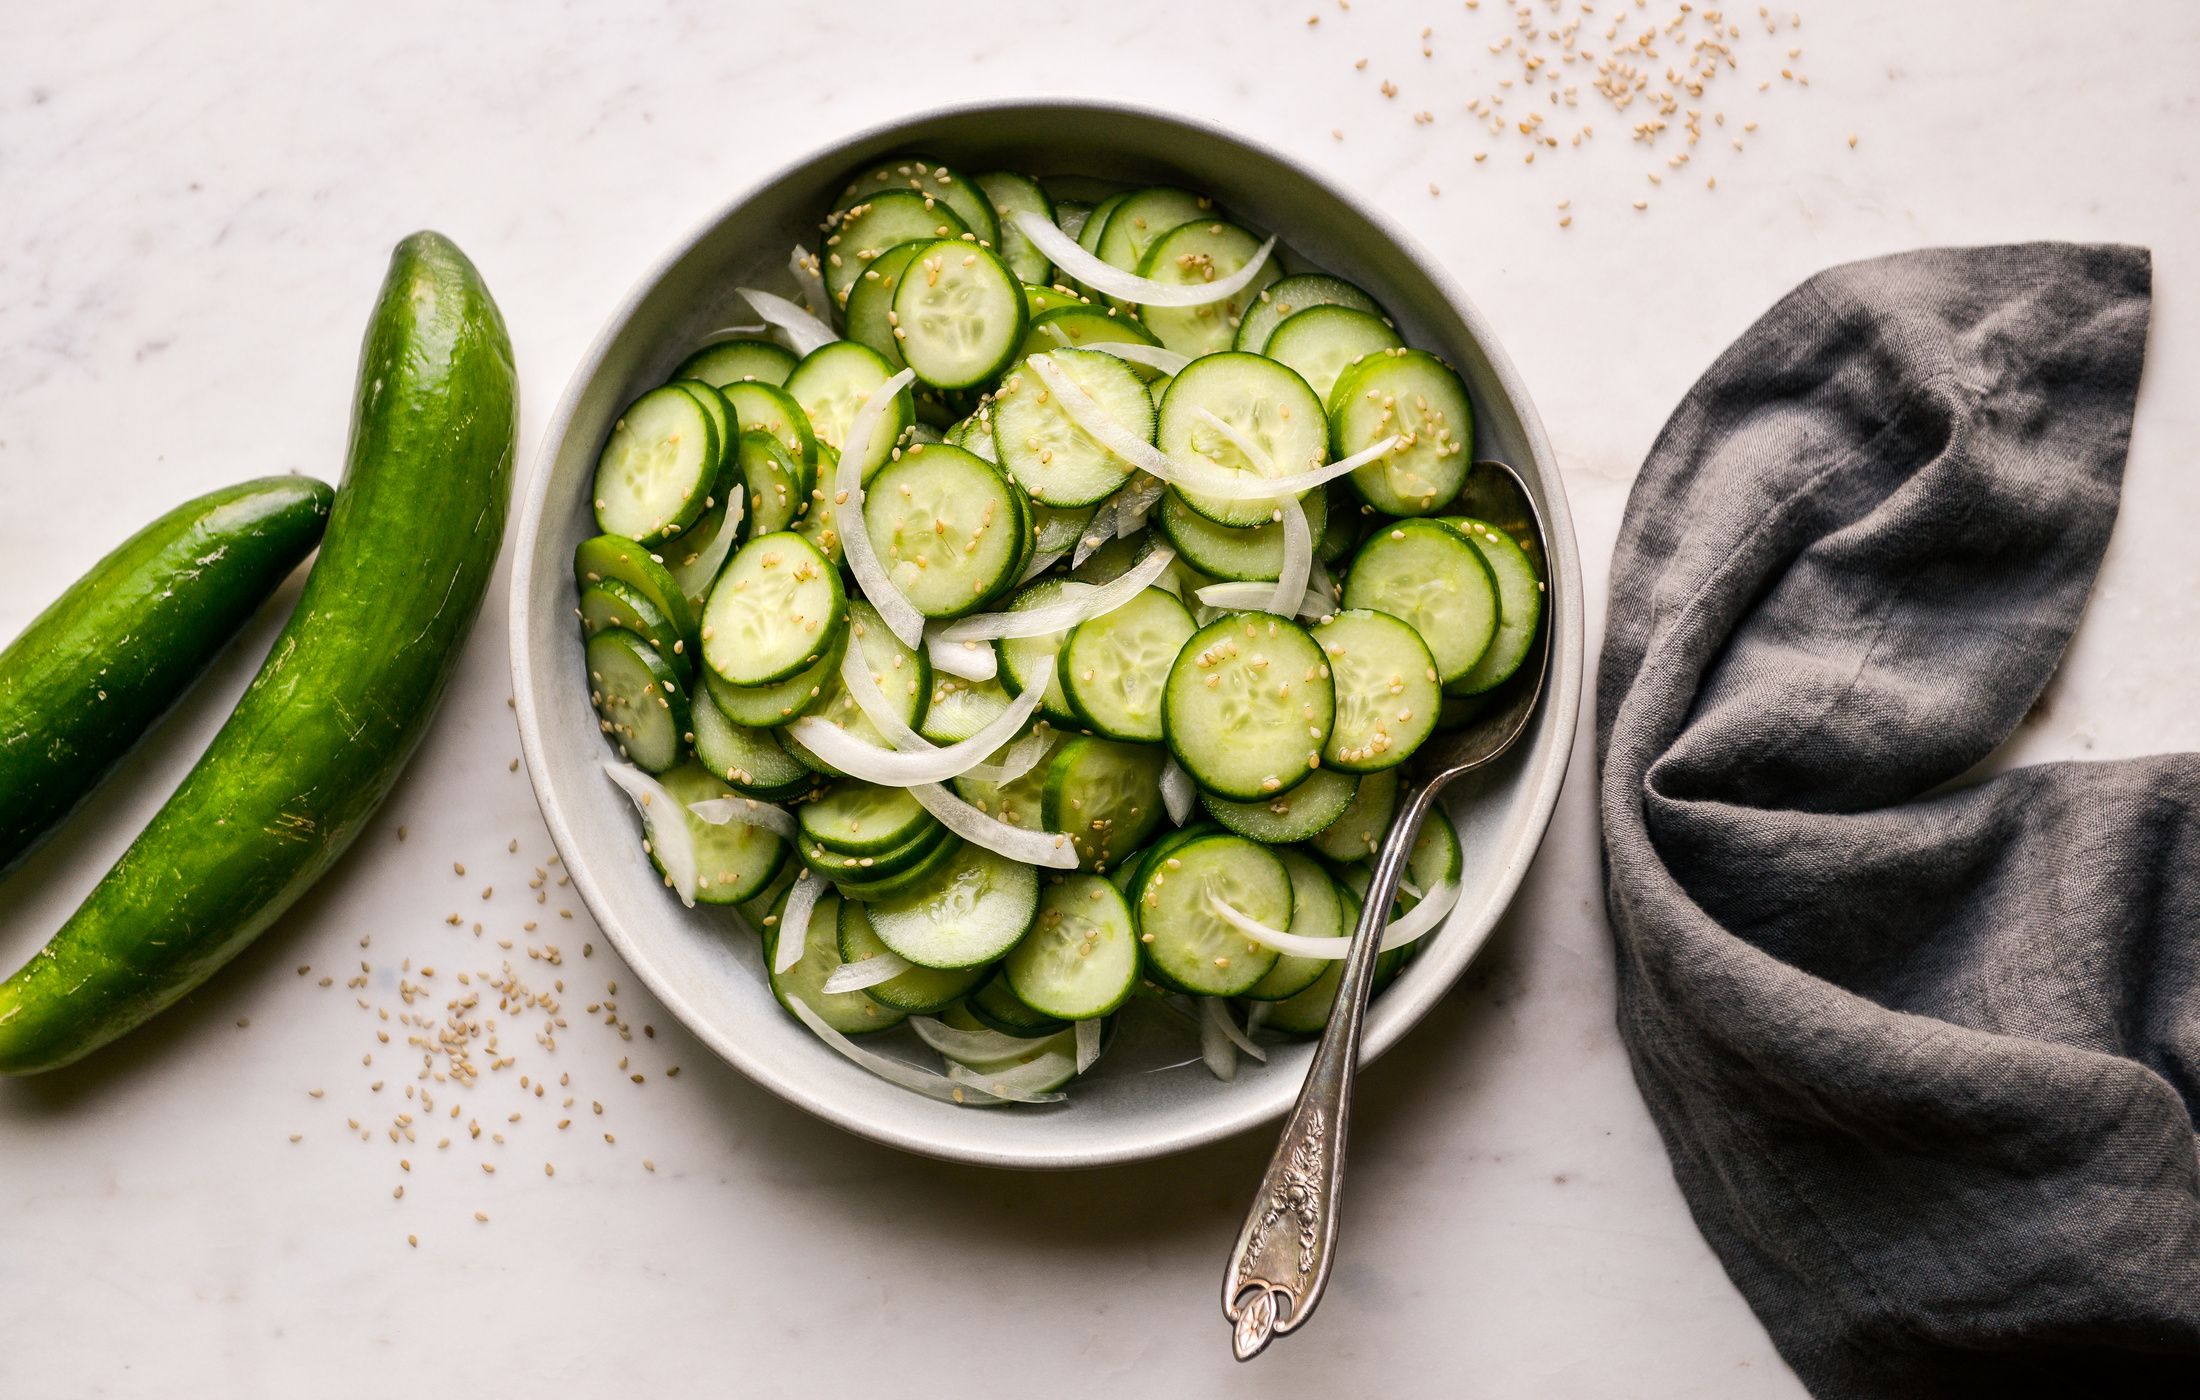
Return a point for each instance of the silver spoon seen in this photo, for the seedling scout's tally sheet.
(1281, 1263)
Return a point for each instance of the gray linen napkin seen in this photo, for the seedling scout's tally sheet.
(1926, 1061)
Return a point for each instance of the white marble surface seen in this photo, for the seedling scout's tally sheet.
(195, 205)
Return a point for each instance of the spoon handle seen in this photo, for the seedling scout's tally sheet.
(1281, 1263)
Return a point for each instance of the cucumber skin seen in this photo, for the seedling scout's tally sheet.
(97, 669)
(344, 696)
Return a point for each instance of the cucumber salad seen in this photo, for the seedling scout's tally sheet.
(1025, 625)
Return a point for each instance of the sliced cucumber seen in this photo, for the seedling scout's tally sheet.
(768, 409)
(1016, 802)
(1105, 796)
(1427, 576)
(925, 861)
(1204, 250)
(856, 818)
(869, 315)
(614, 603)
(959, 314)
(1080, 959)
(880, 223)
(1413, 393)
(947, 528)
(1058, 528)
(1183, 939)
(832, 383)
(776, 609)
(640, 702)
(1041, 300)
(1047, 454)
(1297, 815)
(1248, 706)
(733, 862)
(960, 708)
(1030, 660)
(820, 522)
(1081, 326)
(970, 913)
(850, 1013)
(1264, 404)
(780, 703)
(771, 479)
(1114, 667)
(1317, 911)
(694, 559)
(751, 760)
(731, 361)
(657, 467)
(1359, 833)
(1436, 857)
(919, 991)
(996, 1007)
(1011, 194)
(1248, 553)
(872, 869)
(631, 563)
(1143, 216)
(924, 176)
(1322, 342)
(1519, 607)
(1347, 516)
(1288, 296)
(1387, 691)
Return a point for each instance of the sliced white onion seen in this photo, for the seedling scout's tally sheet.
(1151, 356)
(1406, 885)
(798, 328)
(724, 332)
(1177, 792)
(1205, 478)
(670, 841)
(1067, 255)
(1010, 1084)
(1253, 451)
(747, 811)
(980, 1047)
(1047, 848)
(908, 1076)
(1088, 1044)
(1415, 923)
(1133, 503)
(862, 687)
(859, 758)
(1256, 1016)
(794, 920)
(1287, 595)
(868, 972)
(972, 660)
(901, 615)
(1216, 1048)
(1322, 593)
(982, 445)
(1022, 756)
(1216, 1012)
(803, 264)
(1422, 917)
(1078, 603)
(1097, 532)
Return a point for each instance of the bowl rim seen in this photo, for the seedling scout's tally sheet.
(1407, 1003)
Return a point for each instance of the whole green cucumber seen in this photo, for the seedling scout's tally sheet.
(344, 696)
(95, 671)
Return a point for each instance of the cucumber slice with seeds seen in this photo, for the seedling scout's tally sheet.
(1322, 342)
(1049, 456)
(1317, 911)
(1265, 404)
(1248, 706)
(960, 708)
(1010, 194)
(850, 1013)
(1016, 802)
(657, 466)
(868, 317)
(970, 913)
(1247, 553)
(1082, 326)
(733, 862)
(927, 177)
(640, 703)
(947, 528)
(750, 760)
(1427, 576)
(780, 703)
(996, 1007)
(867, 230)
(859, 876)
(630, 562)
(1080, 959)
(1105, 796)
(613, 603)
(1188, 255)
(1114, 667)
(959, 314)
(1184, 940)
(771, 480)
(1143, 216)
(921, 990)
(776, 609)
(856, 818)
(1519, 607)
(764, 408)
(1288, 296)
(832, 383)
(731, 361)
(1359, 833)
(1297, 815)
(1029, 661)
(1413, 393)
(1387, 691)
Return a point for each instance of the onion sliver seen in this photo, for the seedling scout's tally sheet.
(1286, 597)
(1080, 603)
(1416, 922)
(1022, 757)
(713, 556)
(1254, 452)
(1063, 251)
(908, 1076)
(794, 920)
(1213, 1009)
(1132, 504)
(663, 827)
(1422, 917)
(747, 811)
(1088, 1044)
(967, 659)
(1098, 531)
(869, 972)
(1048, 848)
(1216, 1047)
(900, 768)
(1177, 793)
(803, 264)
(803, 332)
(862, 687)
(1151, 356)
(1040, 563)
(1204, 478)
(1009, 1083)
(901, 615)
(1256, 1016)
(980, 1047)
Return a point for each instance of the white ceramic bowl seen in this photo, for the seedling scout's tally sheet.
(699, 962)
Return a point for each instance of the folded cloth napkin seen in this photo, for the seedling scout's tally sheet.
(1926, 1060)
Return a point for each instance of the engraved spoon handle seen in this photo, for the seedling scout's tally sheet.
(1281, 1263)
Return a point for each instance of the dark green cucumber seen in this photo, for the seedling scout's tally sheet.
(93, 672)
(344, 696)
